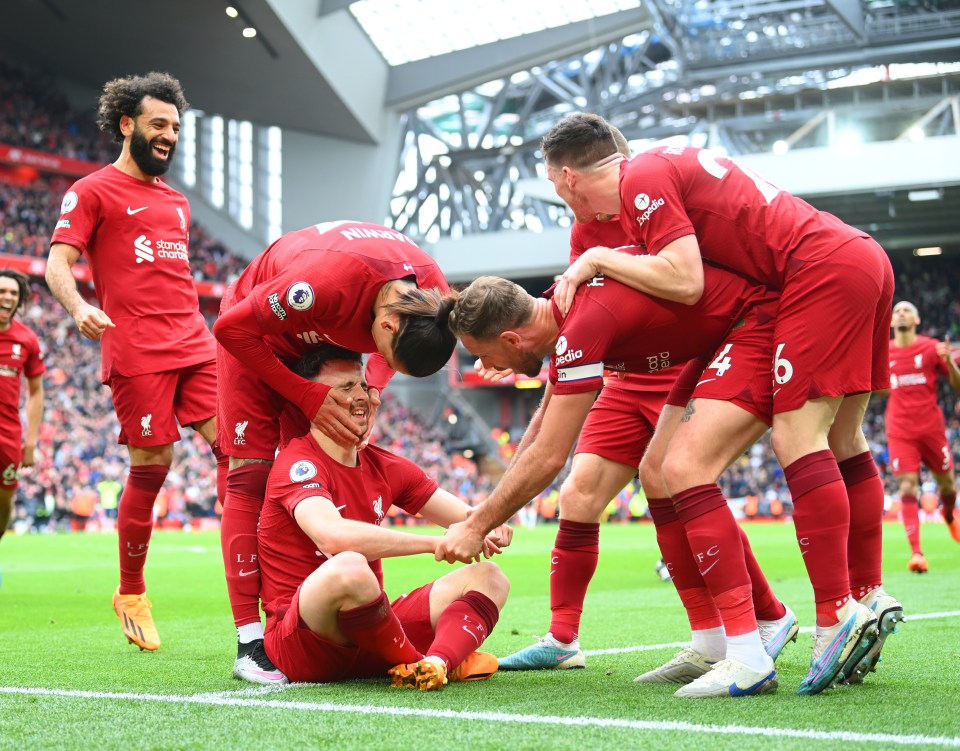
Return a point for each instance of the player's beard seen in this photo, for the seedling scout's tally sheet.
(532, 365)
(142, 152)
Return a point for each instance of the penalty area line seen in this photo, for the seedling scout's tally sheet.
(449, 714)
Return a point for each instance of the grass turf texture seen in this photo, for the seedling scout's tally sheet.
(58, 632)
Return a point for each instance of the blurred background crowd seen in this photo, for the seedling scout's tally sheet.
(78, 477)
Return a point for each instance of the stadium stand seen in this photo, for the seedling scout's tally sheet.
(76, 481)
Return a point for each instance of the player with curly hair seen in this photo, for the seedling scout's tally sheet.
(158, 357)
(20, 355)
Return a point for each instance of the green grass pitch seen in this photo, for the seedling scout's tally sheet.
(69, 680)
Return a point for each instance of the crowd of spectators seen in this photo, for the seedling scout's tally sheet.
(34, 114)
(81, 468)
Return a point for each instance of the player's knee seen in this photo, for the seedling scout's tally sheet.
(651, 477)
(909, 485)
(488, 578)
(675, 473)
(578, 501)
(350, 575)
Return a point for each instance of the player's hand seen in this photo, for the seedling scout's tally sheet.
(462, 542)
(334, 421)
(503, 535)
(92, 322)
(496, 540)
(944, 351)
(375, 402)
(584, 268)
(28, 457)
(491, 374)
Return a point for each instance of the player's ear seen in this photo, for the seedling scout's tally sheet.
(511, 338)
(127, 125)
(390, 323)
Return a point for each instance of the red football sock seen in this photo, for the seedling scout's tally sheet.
(910, 510)
(766, 605)
(135, 523)
(821, 516)
(463, 626)
(376, 628)
(949, 501)
(246, 486)
(714, 538)
(865, 542)
(675, 548)
(572, 565)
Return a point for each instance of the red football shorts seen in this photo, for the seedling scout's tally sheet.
(248, 411)
(150, 406)
(304, 656)
(932, 448)
(832, 334)
(10, 456)
(620, 424)
(739, 371)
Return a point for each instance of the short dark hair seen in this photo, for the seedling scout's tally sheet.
(579, 140)
(490, 306)
(310, 365)
(22, 283)
(423, 343)
(124, 96)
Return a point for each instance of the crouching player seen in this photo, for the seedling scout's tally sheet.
(320, 545)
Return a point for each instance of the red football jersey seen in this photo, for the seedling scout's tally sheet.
(586, 235)
(741, 221)
(912, 408)
(135, 235)
(318, 284)
(615, 326)
(610, 234)
(19, 356)
(363, 493)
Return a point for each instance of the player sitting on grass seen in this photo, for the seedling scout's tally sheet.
(320, 545)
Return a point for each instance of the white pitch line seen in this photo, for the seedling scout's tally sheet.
(805, 630)
(449, 714)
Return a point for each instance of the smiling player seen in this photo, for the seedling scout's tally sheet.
(158, 356)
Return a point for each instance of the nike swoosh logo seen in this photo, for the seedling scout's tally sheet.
(137, 555)
(735, 690)
(131, 212)
(707, 569)
(706, 380)
(248, 573)
(340, 507)
(475, 637)
(564, 656)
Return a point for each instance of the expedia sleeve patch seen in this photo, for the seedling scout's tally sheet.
(302, 471)
(300, 296)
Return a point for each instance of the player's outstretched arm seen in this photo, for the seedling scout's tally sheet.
(90, 320)
(446, 509)
(537, 466)
(675, 273)
(333, 534)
